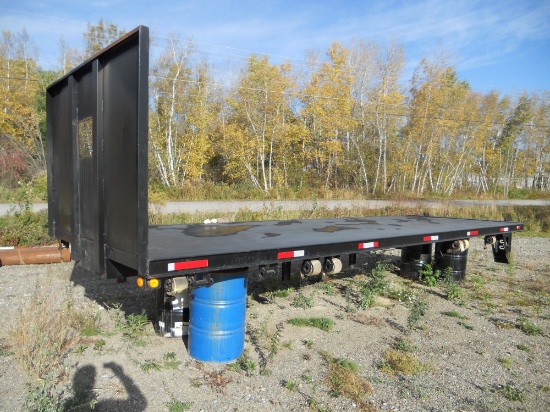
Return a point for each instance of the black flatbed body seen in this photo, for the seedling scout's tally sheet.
(97, 156)
(195, 248)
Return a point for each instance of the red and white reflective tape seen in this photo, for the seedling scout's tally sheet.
(190, 264)
(290, 254)
(368, 245)
(472, 233)
(430, 238)
(504, 229)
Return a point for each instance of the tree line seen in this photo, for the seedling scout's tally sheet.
(344, 119)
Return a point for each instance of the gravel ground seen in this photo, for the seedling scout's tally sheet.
(482, 361)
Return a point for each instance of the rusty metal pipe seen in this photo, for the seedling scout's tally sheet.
(27, 256)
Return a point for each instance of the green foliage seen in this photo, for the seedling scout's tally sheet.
(395, 361)
(41, 399)
(376, 285)
(455, 314)
(283, 293)
(169, 361)
(325, 324)
(90, 323)
(179, 406)
(528, 327)
(511, 392)
(132, 326)
(404, 345)
(44, 332)
(453, 291)
(243, 364)
(302, 301)
(150, 365)
(290, 384)
(428, 275)
(465, 325)
(22, 227)
(343, 380)
(99, 344)
(418, 308)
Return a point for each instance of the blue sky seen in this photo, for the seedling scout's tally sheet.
(502, 45)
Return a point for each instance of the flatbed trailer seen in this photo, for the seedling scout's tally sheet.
(97, 153)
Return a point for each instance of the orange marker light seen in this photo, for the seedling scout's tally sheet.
(140, 282)
(153, 283)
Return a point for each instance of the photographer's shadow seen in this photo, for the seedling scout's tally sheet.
(85, 399)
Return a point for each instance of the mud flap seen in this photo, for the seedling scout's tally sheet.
(502, 246)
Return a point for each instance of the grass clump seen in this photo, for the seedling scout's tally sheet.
(396, 361)
(418, 308)
(343, 380)
(465, 325)
(404, 345)
(528, 327)
(302, 301)
(283, 293)
(324, 324)
(90, 323)
(290, 384)
(510, 392)
(376, 285)
(44, 332)
(40, 398)
(132, 326)
(243, 364)
(455, 314)
(178, 406)
(523, 347)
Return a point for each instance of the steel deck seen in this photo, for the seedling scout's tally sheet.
(209, 247)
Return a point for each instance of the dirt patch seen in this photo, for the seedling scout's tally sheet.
(488, 351)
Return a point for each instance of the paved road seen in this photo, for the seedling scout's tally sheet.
(257, 205)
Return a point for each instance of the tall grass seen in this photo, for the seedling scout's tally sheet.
(44, 332)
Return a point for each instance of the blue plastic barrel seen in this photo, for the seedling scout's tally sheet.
(217, 318)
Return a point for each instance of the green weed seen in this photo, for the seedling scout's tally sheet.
(395, 361)
(290, 384)
(428, 275)
(506, 362)
(80, 349)
(150, 365)
(169, 361)
(325, 324)
(465, 325)
(510, 392)
(302, 301)
(41, 399)
(343, 380)
(528, 327)
(455, 314)
(178, 406)
(404, 345)
(99, 344)
(283, 293)
(243, 364)
(418, 308)
(89, 323)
